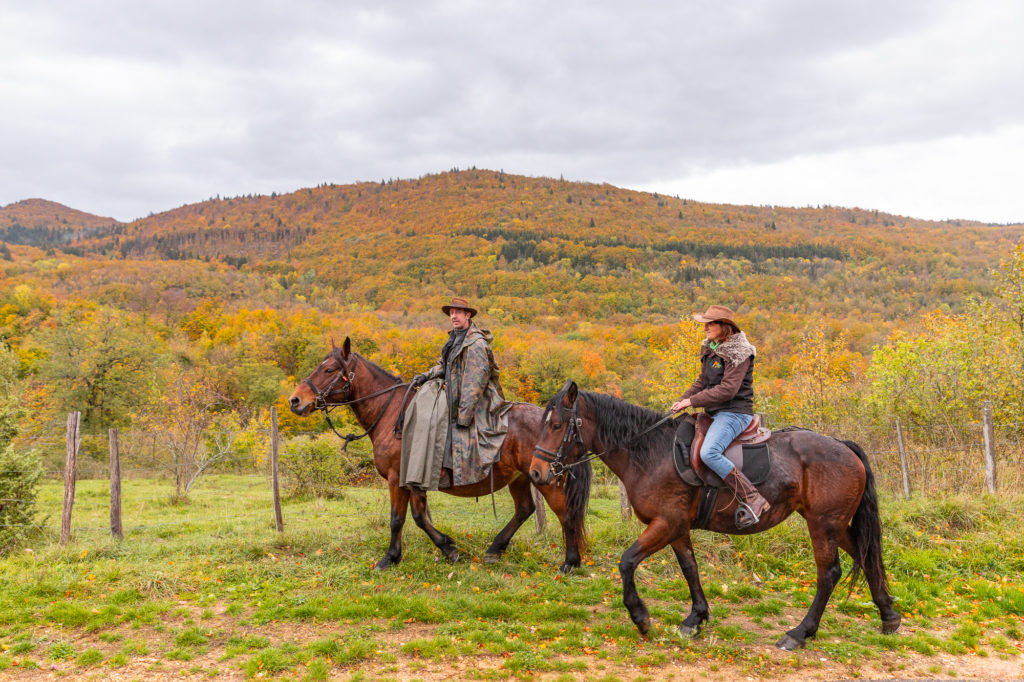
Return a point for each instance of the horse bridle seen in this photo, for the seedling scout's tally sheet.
(348, 376)
(320, 396)
(573, 435)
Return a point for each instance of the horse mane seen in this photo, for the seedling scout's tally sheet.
(619, 423)
(377, 370)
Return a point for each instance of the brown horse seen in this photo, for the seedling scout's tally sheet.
(827, 481)
(375, 396)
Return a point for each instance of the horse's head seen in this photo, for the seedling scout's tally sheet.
(560, 443)
(330, 382)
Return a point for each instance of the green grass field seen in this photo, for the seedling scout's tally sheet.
(209, 588)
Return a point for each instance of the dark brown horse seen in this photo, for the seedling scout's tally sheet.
(375, 396)
(827, 481)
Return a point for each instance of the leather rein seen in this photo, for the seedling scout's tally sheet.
(574, 435)
(347, 375)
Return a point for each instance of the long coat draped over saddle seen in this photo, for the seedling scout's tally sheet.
(474, 406)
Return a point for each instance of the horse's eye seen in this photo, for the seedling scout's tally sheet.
(328, 369)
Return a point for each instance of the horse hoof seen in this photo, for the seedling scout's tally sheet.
(689, 630)
(892, 625)
(566, 569)
(788, 643)
(644, 626)
(489, 558)
(384, 564)
(452, 556)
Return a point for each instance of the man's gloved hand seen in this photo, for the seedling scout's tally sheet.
(418, 380)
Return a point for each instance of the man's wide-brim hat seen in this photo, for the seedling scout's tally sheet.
(459, 303)
(717, 313)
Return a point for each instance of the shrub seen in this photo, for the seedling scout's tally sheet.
(317, 466)
(19, 480)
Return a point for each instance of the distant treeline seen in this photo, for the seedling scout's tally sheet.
(544, 248)
(17, 233)
(198, 244)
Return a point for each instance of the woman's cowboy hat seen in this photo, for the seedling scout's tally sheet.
(717, 313)
(459, 303)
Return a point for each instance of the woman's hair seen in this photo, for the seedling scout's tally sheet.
(727, 331)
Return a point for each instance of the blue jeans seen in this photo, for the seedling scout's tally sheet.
(725, 427)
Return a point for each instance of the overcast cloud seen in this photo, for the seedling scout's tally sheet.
(124, 108)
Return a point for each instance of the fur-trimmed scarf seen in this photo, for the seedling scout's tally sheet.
(734, 350)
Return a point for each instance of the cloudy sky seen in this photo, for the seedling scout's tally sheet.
(123, 108)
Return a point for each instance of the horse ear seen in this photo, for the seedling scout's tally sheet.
(333, 346)
(346, 348)
(570, 393)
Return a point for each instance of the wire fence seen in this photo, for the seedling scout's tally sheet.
(927, 459)
(219, 488)
(944, 458)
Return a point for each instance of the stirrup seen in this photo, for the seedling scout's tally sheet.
(745, 516)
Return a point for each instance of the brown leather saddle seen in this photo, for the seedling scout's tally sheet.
(748, 452)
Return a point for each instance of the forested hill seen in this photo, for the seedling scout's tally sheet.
(576, 280)
(43, 223)
(540, 246)
(541, 250)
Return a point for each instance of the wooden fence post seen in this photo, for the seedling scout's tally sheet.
(624, 506)
(540, 513)
(273, 469)
(988, 432)
(115, 486)
(903, 457)
(70, 474)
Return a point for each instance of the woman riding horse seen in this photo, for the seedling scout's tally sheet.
(725, 389)
(827, 481)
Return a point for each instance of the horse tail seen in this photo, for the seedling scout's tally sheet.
(577, 497)
(866, 529)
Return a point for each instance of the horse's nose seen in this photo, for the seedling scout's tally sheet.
(294, 401)
(535, 475)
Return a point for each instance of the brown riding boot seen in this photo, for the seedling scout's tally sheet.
(752, 504)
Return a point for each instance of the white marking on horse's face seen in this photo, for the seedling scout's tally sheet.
(547, 418)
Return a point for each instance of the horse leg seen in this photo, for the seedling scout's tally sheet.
(891, 618)
(520, 490)
(654, 537)
(825, 541)
(555, 497)
(399, 505)
(699, 611)
(421, 515)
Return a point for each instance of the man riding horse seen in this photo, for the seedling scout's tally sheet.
(467, 427)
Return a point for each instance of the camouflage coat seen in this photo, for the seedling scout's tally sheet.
(476, 404)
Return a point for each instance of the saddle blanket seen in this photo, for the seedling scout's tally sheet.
(755, 461)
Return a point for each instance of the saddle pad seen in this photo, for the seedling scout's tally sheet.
(755, 461)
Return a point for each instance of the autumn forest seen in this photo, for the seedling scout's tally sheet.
(209, 313)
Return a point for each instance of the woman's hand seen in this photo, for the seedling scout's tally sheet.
(680, 405)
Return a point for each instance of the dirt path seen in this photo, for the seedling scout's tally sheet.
(771, 663)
